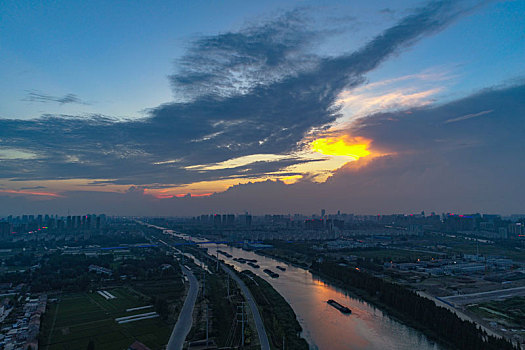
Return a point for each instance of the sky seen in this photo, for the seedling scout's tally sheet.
(185, 108)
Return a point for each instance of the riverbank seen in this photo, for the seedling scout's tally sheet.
(279, 318)
(438, 323)
(323, 326)
(374, 300)
(295, 263)
(361, 295)
(402, 317)
(358, 293)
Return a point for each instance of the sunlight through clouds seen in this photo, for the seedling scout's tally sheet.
(403, 92)
(354, 148)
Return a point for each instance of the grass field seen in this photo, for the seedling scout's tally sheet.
(79, 317)
(508, 312)
(504, 315)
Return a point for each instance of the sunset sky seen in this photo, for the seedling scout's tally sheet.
(190, 107)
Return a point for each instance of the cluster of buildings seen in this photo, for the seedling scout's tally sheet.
(223, 220)
(339, 244)
(485, 225)
(100, 270)
(32, 224)
(22, 332)
(467, 265)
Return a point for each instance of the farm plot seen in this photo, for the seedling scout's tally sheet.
(78, 318)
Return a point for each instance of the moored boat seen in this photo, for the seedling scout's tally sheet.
(271, 273)
(339, 307)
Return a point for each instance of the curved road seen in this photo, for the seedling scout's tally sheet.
(263, 337)
(183, 325)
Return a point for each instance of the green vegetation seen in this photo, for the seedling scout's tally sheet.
(223, 310)
(417, 311)
(78, 318)
(508, 312)
(141, 277)
(223, 315)
(299, 253)
(278, 316)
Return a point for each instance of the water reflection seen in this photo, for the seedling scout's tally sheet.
(324, 327)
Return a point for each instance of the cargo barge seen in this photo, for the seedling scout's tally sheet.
(240, 260)
(271, 273)
(255, 266)
(224, 253)
(339, 307)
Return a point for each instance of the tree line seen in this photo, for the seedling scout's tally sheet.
(278, 316)
(441, 322)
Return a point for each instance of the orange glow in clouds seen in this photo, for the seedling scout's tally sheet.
(322, 157)
(32, 193)
(168, 193)
(353, 147)
(194, 195)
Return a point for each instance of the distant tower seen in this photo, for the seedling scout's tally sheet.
(323, 212)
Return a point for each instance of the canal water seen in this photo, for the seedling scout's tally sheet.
(324, 327)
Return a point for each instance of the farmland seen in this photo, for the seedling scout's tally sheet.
(77, 318)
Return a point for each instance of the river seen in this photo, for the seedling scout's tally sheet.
(324, 327)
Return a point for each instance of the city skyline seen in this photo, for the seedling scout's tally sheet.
(273, 109)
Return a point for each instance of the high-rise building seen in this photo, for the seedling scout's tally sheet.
(5, 229)
(217, 220)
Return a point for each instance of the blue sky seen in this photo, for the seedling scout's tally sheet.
(70, 68)
(116, 56)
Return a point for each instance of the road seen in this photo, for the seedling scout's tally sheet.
(263, 337)
(485, 296)
(183, 325)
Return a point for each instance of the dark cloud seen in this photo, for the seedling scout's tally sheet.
(256, 91)
(36, 96)
(471, 165)
(484, 123)
(230, 64)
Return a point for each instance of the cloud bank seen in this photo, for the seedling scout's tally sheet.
(261, 91)
(472, 165)
(36, 96)
(257, 91)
